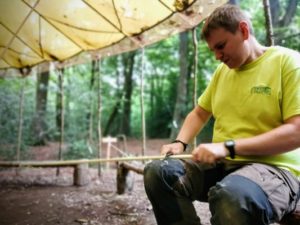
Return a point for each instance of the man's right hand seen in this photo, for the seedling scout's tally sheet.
(174, 148)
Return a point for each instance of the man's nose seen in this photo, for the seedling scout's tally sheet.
(218, 55)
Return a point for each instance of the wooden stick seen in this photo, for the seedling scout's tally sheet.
(101, 160)
(20, 127)
(131, 167)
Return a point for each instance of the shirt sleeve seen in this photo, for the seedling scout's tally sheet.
(205, 100)
(291, 87)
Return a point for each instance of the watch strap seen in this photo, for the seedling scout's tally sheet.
(230, 145)
(184, 144)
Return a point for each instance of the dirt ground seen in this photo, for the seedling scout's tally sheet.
(36, 196)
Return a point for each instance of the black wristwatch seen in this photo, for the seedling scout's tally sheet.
(230, 145)
(181, 142)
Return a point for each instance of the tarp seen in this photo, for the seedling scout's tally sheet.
(75, 31)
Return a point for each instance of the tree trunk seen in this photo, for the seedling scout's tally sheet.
(59, 99)
(89, 115)
(114, 114)
(234, 2)
(181, 98)
(280, 21)
(290, 12)
(275, 12)
(128, 86)
(268, 24)
(39, 125)
(111, 122)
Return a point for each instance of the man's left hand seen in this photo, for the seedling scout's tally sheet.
(210, 153)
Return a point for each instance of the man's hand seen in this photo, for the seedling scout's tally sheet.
(174, 148)
(210, 153)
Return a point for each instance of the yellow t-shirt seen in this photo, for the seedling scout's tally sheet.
(254, 99)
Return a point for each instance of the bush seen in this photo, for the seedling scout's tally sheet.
(79, 150)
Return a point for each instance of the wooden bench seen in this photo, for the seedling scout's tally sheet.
(81, 169)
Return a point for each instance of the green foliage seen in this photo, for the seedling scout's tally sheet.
(9, 101)
(9, 111)
(78, 150)
(289, 35)
(161, 84)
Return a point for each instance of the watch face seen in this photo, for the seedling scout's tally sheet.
(230, 146)
(229, 143)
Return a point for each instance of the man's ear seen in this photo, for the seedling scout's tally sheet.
(245, 30)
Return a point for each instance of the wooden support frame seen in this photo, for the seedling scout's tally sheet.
(81, 174)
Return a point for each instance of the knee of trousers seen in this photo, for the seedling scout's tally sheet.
(236, 196)
(162, 174)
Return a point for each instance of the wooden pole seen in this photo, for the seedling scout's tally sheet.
(24, 72)
(99, 131)
(142, 104)
(96, 160)
(53, 163)
(61, 92)
(195, 96)
(20, 127)
(90, 129)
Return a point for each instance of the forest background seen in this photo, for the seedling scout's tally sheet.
(168, 93)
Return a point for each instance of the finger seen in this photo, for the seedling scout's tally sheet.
(165, 149)
(197, 155)
(169, 154)
(211, 159)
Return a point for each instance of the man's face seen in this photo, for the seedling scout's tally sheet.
(229, 48)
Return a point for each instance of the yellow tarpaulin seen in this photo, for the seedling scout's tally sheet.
(74, 31)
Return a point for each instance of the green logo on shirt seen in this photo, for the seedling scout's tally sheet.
(264, 90)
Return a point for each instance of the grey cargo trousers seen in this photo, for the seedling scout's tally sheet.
(251, 194)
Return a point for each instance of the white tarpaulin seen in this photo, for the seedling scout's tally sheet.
(74, 31)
